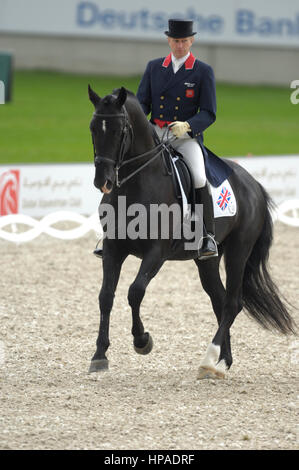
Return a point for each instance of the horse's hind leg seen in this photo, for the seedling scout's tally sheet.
(212, 284)
(112, 263)
(149, 267)
(236, 255)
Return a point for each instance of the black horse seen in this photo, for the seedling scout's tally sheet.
(129, 162)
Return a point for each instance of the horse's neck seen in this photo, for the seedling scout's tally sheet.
(144, 145)
(143, 140)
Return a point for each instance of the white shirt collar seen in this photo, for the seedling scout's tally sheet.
(177, 63)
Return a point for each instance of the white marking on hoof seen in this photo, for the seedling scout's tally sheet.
(211, 357)
(104, 125)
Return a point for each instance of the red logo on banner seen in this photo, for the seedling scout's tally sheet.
(9, 192)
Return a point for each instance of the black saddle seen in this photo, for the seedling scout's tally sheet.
(185, 176)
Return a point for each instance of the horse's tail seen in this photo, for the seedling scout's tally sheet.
(261, 297)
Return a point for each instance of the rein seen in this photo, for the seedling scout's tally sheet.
(120, 163)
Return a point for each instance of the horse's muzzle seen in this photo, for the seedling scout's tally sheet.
(104, 185)
(104, 179)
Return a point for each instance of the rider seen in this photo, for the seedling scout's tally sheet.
(173, 89)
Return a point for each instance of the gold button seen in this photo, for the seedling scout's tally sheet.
(161, 115)
(161, 106)
(161, 97)
(176, 107)
(178, 98)
(175, 118)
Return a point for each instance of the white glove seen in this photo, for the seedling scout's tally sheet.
(179, 128)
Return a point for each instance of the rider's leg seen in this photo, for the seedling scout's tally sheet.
(192, 153)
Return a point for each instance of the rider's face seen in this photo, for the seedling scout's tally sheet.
(180, 47)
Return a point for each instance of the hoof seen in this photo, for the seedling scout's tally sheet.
(98, 365)
(147, 348)
(209, 373)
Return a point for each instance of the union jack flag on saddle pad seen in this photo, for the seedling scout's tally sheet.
(224, 200)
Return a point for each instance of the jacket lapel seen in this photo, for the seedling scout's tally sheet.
(171, 78)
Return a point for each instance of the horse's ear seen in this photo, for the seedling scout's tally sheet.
(94, 98)
(122, 96)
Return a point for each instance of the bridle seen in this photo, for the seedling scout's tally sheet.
(127, 131)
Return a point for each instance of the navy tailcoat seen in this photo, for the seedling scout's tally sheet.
(188, 95)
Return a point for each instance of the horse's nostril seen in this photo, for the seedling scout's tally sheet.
(109, 184)
(107, 188)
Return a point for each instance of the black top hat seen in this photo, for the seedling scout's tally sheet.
(180, 29)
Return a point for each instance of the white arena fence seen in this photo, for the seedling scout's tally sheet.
(287, 213)
(45, 226)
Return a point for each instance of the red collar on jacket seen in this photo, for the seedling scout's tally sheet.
(189, 63)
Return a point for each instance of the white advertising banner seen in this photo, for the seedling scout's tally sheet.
(38, 190)
(279, 175)
(270, 22)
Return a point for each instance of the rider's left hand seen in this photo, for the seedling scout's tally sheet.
(179, 128)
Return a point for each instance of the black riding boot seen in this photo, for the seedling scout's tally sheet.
(209, 246)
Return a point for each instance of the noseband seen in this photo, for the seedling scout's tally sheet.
(120, 162)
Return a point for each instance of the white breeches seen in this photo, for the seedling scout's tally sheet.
(192, 153)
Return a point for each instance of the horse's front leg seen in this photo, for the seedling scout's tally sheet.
(149, 267)
(112, 264)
